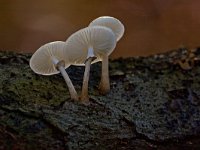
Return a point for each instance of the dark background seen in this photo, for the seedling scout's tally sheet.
(152, 26)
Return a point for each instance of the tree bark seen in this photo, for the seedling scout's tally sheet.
(154, 102)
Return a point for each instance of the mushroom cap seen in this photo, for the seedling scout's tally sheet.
(100, 38)
(114, 24)
(41, 61)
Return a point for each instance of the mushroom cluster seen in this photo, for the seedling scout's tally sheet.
(87, 46)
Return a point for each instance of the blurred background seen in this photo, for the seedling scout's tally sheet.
(151, 26)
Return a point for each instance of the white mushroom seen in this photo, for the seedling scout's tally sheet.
(118, 28)
(87, 44)
(48, 60)
(114, 24)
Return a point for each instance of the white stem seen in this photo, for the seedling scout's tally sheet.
(54, 60)
(104, 85)
(71, 88)
(90, 52)
(84, 93)
(61, 68)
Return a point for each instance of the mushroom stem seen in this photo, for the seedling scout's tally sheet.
(84, 93)
(90, 53)
(104, 85)
(71, 88)
(60, 66)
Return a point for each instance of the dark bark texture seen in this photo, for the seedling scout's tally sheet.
(154, 102)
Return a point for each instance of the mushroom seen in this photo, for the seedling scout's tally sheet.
(114, 24)
(48, 60)
(118, 28)
(88, 46)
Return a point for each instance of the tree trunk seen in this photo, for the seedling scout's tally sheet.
(154, 102)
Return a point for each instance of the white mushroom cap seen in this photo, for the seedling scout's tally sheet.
(89, 42)
(44, 60)
(112, 23)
